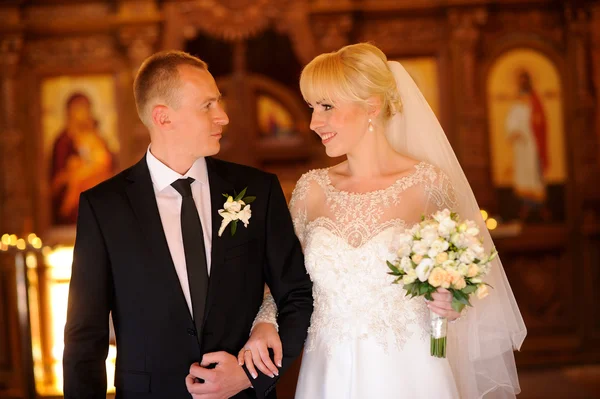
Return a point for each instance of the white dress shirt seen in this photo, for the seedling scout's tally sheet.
(169, 207)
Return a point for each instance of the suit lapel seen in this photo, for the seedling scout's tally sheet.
(143, 202)
(218, 186)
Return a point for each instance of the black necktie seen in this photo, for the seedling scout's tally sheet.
(195, 253)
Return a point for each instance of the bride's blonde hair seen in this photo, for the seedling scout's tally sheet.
(354, 73)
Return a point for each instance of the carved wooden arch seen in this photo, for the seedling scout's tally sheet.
(299, 146)
(551, 50)
(235, 20)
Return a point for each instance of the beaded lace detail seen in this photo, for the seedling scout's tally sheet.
(347, 238)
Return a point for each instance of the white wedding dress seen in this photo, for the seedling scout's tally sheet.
(366, 338)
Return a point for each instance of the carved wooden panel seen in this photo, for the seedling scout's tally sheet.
(10, 368)
(401, 35)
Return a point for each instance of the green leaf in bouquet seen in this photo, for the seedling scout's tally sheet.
(248, 200)
(225, 195)
(457, 306)
(241, 195)
(423, 289)
(396, 281)
(469, 289)
(233, 227)
(393, 268)
(460, 297)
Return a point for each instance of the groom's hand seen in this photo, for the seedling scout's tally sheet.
(225, 380)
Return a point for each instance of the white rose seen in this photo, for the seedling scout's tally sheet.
(449, 264)
(406, 265)
(463, 269)
(438, 246)
(409, 277)
(244, 215)
(455, 239)
(442, 215)
(405, 239)
(446, 227)
(424, 269)
(415, 231)
(429, 234)
(420, 248)
(232, 206)
(403, 251)
(478, 250)
(467, 257)
(472, 228)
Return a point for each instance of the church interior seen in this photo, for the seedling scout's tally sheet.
(69, 65)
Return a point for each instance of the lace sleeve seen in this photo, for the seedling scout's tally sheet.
(298, 207)
(267, 312)
(439, 193)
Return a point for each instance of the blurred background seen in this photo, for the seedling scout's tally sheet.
(68, 121)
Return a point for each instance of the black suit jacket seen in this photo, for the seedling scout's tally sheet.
(122, 265)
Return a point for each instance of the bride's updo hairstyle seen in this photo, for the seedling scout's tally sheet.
(353, 73)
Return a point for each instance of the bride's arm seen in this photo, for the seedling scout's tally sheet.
(264, 333)
(263, 336)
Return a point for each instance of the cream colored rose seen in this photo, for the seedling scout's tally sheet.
(473, 270)
(417, 258)
(441, 257)
(437, 277)
(482, 291)
(463, 269)
(459, 284)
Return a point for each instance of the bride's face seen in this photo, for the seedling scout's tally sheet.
(341, 125)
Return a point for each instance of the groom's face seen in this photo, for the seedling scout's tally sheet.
(198, 121)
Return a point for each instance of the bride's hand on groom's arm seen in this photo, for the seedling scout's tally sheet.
(442, 304)
(256, 350)
(225, 380)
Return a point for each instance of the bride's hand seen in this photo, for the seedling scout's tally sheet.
(442, 304)
(255, 352)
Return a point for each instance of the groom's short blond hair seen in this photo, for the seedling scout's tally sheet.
(157, 81)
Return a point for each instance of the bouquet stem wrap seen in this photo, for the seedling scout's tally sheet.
(439, 329)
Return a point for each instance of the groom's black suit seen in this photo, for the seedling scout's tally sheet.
(122, 264)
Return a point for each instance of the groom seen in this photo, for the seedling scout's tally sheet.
(148, 249)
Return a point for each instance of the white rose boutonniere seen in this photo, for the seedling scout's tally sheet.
(235, 209)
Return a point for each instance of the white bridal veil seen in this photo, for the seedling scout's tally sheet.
(480, 346)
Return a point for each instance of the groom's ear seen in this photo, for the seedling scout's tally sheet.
(373, 107)
(160, 117)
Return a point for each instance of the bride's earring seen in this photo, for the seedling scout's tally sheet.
(370, 125)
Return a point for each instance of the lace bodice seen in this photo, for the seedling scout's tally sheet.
(347, 238)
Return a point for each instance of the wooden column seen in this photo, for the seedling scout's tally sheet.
(14, 206)
(139, 42)
(470, 141)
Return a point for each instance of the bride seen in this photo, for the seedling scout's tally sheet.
(367, 339)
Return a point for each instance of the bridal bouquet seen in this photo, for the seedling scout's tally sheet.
(442, 251)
